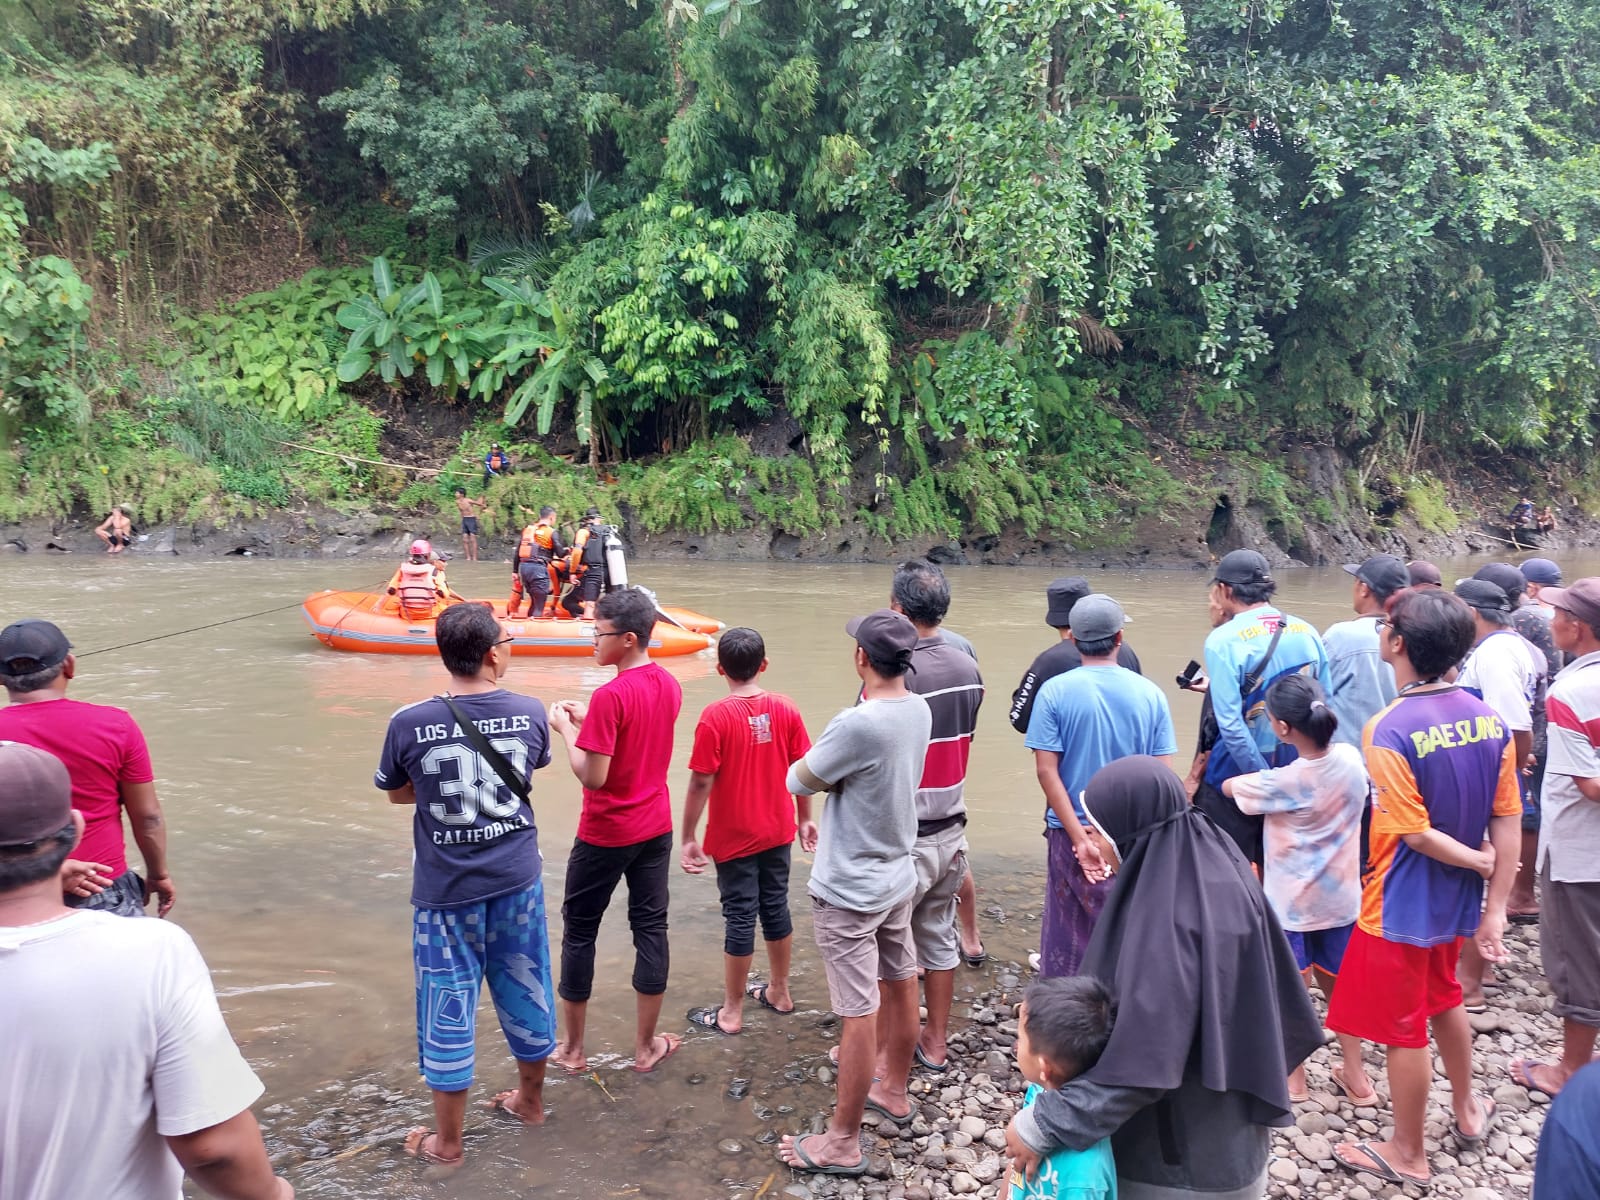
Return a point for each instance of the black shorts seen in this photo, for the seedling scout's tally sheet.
(469, 525)
(754, 887)
(588, 588)
(118, 539)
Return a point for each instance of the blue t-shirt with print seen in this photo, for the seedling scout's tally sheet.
(1235, 648)
(1069, 1174)
(1093, 716)
(474, 837)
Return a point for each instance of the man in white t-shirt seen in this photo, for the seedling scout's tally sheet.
(1505, 671)
(118, 1073)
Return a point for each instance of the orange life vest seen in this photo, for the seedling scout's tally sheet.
(418, 587)
(538, 543)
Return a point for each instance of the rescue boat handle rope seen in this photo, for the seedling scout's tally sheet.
(161, 637)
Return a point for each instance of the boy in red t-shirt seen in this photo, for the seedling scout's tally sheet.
(619, 746)
(743, 746)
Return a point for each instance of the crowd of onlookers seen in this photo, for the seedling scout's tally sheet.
(1365, 810)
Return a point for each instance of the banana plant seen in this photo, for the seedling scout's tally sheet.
(386, 328)
(563, 366)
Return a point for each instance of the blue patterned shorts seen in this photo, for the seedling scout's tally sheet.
(455, 949)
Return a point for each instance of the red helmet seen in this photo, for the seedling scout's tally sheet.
(422, 548)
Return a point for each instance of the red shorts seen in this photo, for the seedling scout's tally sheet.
(1387, 991)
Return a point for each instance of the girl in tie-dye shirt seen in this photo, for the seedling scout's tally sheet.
(1312, 870)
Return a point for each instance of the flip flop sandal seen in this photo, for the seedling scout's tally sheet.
(975, 960)
(419, 1149)
(904, 1118)
(673, 1043)
(1476, 1009)
(807, 1163)
(1377, 1165)
(1523, 918)
(1368, 1101)
(706, 1018)
(928, 1063)
(758, 993)
(1491, 1114)
(500, 1106)
(1521, 1072)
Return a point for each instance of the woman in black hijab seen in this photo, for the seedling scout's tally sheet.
(1211, 1015)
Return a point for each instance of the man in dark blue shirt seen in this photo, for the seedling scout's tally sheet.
(476, 884)
(1567, 1166)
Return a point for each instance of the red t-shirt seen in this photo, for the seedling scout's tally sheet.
(102, 749)
(748, 742)
(630, 718)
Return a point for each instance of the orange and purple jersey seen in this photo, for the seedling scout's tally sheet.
(1440, 760)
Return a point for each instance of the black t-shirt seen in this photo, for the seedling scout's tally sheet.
(1057, 660)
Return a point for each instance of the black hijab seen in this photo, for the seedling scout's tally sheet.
(1199, 965)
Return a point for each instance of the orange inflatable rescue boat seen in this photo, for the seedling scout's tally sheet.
(370, 623)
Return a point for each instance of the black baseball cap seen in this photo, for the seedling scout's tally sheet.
(1383, 573)
(1061, 595)
(1483, 594)
(1242, 566)
(31, 645)
(885, 635)
(1505, 577)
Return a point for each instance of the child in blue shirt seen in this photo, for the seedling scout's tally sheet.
(1064, 1026)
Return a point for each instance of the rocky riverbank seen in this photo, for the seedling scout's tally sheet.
(955, 1146)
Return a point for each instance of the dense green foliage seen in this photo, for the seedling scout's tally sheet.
(954, 264)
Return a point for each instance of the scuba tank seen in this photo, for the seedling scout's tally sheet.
(616, 563)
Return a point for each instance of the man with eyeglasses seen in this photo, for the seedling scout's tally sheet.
(476, 874)
(619, 745)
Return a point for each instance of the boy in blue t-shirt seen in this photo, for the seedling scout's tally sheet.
(1064, 1027)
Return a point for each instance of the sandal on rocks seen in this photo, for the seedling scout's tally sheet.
(1491, 1114)
(1376, 1164)
(1370, 1100)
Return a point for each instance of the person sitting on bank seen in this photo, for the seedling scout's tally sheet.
(116, 531)
(495, 463)
(1522, 514)
(1546, 520)
(534, 573)
(419, 585)
(587, 563)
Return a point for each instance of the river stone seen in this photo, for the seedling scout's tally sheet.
(824, 1075)
(1313, 1148)
(1284, 1170)
(986, 1169)
(916, 1191)
(961, 1183)
(731, 1146)
(1312, 1122)
(1512, 1096)
(996, 1063)
(974, 1126)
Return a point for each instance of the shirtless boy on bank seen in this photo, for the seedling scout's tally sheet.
(116, 531)
(469, 507)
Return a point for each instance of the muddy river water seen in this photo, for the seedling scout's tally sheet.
(294, 872)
